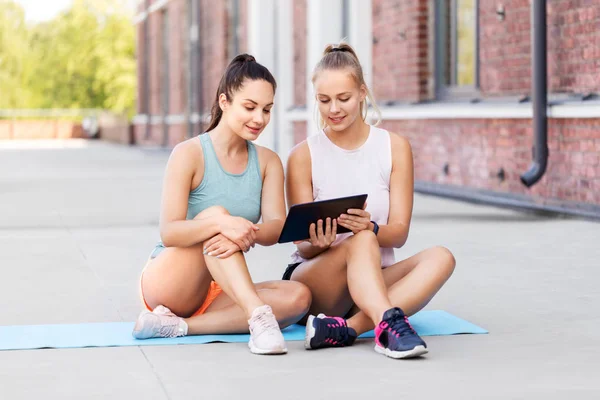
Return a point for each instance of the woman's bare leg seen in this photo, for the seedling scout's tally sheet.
(232, 275)
(412, 283)
(347, 273)
(179, 279)
(365, 279)
(289, 301)
(409, 285)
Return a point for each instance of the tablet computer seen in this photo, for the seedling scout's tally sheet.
(297, 223)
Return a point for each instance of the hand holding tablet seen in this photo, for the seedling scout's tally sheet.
(301, 216)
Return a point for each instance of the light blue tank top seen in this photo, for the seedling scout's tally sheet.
(239, 194)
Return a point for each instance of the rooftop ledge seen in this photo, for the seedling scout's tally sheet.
(492, 109)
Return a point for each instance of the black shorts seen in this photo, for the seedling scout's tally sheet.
(289, 271)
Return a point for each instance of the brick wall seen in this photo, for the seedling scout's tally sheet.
(299, 32)
(155, 30)
(213, 47)
(243, 27)
(153, 56)
(400, 58)
(49, 129)
(573, 47)
(115, 129)
(213, 37)
(178, 61)
(139, 132)
(177, 53)
(475, 151)
(300, 71)
(299, 132)
(505, 48)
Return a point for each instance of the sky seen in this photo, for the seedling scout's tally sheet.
(44, 10)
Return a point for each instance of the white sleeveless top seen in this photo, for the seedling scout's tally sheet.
(337, 172)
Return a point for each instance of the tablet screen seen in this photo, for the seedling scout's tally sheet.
(297, 223)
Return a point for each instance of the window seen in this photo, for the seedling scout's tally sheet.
(345, 19)
(233, 40)
(456, 48)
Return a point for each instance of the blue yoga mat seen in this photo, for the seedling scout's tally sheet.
(21, 337)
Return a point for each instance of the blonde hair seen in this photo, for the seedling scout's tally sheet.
(342, 56)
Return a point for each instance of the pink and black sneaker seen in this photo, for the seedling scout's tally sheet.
(323, 331)
(396, 338)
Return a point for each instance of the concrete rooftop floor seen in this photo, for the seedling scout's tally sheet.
(78, 220)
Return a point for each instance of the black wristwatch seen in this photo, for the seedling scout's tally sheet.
(375, 227)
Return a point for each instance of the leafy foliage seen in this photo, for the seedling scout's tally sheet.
(83, 58)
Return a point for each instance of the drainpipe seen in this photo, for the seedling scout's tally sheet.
(147, 68)
(540, 95)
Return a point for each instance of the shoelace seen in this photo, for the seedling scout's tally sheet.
(264, 322)
(169, 327)
(400, 326)
(337, 333)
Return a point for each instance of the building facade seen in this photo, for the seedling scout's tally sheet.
(453, 76)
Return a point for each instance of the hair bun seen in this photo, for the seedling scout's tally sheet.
(243, 58)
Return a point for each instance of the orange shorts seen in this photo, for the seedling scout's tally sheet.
(213, 291)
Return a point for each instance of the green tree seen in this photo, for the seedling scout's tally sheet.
(116, 74)
(66, 60)
(83, 58)
(14, 56)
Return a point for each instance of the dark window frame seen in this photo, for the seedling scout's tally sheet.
(442, 90)
(233, 21)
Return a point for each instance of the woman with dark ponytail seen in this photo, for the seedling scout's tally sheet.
(216, 188)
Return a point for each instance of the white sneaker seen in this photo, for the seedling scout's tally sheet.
(160, 323)
(265, 335)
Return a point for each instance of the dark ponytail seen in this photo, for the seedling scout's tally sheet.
(242, 67)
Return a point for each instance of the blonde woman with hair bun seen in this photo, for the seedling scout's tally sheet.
(355, 281)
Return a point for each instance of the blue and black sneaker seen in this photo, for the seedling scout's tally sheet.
(323, 331)
(396, 338)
